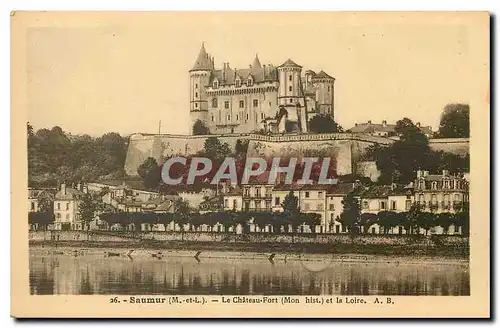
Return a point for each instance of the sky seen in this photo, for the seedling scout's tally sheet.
(98, 73)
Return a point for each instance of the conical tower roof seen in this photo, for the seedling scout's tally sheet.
(256, 62)
(289, 63)
(204, 61)
(323, 75)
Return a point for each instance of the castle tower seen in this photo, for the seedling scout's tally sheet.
(289, 94)
(324, 93)
(199, 77)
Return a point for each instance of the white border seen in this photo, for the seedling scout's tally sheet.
(147, 5)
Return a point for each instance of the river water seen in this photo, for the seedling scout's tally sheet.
(90, 271)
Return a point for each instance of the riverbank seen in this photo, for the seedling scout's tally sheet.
(405, 245)
(409, 250)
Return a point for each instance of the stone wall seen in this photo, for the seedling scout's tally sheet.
(287, 239)
(458, 146)
(345, 149)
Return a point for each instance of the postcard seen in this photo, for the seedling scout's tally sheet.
(250, 164)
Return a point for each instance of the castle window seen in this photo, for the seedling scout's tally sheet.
(238, 83)
(226, 104)
(289, 77)
(242, 103)
(249, 81)
(196, 105)
(229, 117)
(247, 117)
(196, 94)
(196, 86)
(269, 104)
(291, 100)
(67, 206)
(214, 103)
(290, 88)
(212, 118)
(328, 88)
(58, 206)
(216, 84)
(255, 103)
(237, 117)
(262, 115)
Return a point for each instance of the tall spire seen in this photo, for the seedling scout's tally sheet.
(256, 62)
(203, 62)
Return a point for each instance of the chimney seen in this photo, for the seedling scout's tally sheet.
(63, 189)
(445, 173)
(370, 122)
(384, 123)
(419, 174)
(418, 124)
(355, 124)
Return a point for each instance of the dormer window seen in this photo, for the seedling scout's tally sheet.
(216, 84)
(238, 82)
(249, 81)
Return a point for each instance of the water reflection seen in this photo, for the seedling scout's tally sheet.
(95, 274)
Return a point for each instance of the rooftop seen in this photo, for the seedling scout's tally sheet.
(370, 127)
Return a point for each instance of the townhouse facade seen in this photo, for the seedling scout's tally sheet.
(441, 192)
(66, 208)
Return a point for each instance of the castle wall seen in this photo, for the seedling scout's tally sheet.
(458, 146)
(142, 146)
(345, 149)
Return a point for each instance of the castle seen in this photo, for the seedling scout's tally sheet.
(259, 98)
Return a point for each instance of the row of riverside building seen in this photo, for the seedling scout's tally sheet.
(440, 192)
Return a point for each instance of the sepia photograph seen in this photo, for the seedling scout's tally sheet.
(278, 159)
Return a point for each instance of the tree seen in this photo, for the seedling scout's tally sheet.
(291, 211)
(43, 219)
(150, 173)
(241, 147)
(55, 155)
(412, 218)
(462, 219)
(260, 219)
(165, 219)
(215, 149)
(366, 220)
(324, 124)
(445, 220)
(311, 220)
(388, 220)
(426, 220)
(199, 128)
(454, 122)
(89, 205)
(399, 162)
(182, 212)
(30, 130)
(278, 220)
(349, 217)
